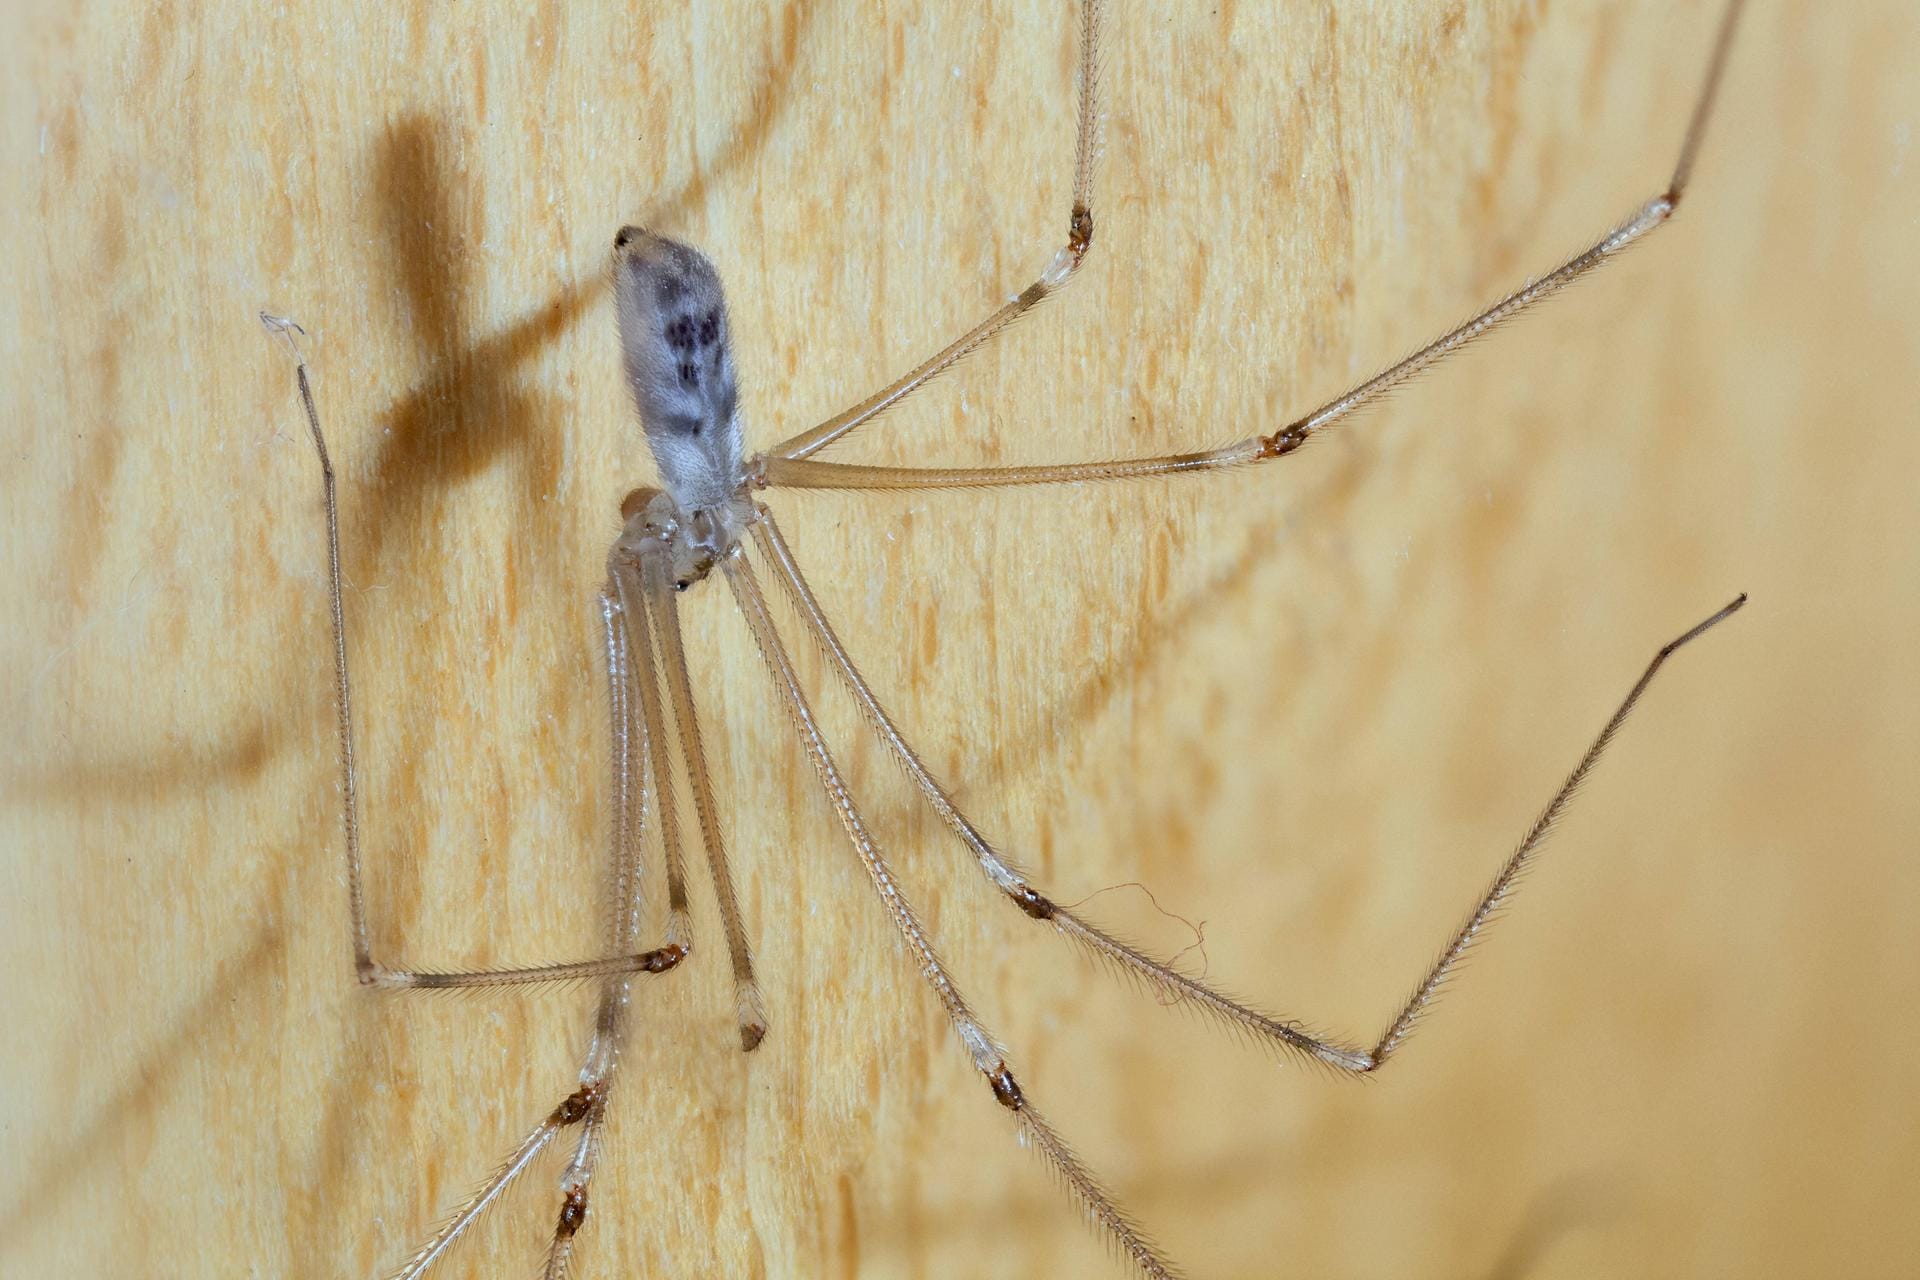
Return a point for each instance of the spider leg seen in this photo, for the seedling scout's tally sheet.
(665, 602)
(371, 972)
(1160, 974)
(626, 587)
(1065, 263)
(596, 1082)
(988, 1058)
(789, 468)
(571, 1111)
(634, 778)
(642, 583)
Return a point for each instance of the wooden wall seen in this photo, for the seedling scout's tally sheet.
(1311, 705)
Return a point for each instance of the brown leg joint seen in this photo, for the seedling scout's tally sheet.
(1006, 1090)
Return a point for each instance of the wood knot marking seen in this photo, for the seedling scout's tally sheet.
(573, 1212)
(1036, 905)
(1007, 1090)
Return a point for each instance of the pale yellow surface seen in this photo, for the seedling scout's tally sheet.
(1311, 704)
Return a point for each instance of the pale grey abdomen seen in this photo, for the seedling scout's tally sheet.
(679, 360)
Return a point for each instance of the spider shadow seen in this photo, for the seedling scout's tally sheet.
(464, 416)
(1562, 1207)
(1571, 1202)
(466, 413)
(237, 996)
(1155, 646)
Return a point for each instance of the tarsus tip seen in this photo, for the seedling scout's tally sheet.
(1720, 615)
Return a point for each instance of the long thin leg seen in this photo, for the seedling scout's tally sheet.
(749, 1009)
(1161, 974)
(629, 589)
(630, 756)
(371, 972)
(786, 468)
(1051, 281)
(1522, 856)
(634, 775)
(643, 587)
(596, 1080)
(1007, 877)
(987, 1056)
(632, 761)
(571, 1111)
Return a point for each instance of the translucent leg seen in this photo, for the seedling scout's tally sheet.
(987, 1056)
(571, 1111)
(370, 971)
(1161, 974)
(785, 467)
(749, 1009)
(1051, 281)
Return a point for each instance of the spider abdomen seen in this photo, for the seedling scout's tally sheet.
(675, 346)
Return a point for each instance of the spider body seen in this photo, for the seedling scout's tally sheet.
(677, 351)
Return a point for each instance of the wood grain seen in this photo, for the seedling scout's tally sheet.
(1310, 705)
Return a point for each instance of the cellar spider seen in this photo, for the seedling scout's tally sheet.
(707, 517)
